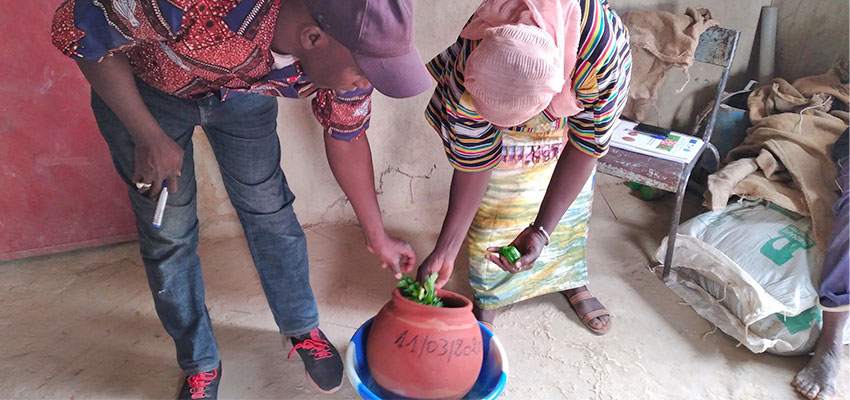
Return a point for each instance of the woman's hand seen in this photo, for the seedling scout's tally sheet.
(530, 243)
(437, 262)
(464, 197)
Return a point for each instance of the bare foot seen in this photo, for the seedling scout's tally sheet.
(818, 378)
(588, 308)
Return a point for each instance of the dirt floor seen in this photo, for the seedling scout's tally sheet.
(81, 325)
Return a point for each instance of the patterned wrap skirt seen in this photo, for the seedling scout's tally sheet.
(512, 200)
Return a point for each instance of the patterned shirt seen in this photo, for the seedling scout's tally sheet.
(192, 48)
(600, 80)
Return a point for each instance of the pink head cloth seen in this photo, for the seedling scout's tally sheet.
(525, 59)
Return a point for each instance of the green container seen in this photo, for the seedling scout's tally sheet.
(645, 192)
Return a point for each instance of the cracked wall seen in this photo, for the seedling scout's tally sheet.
(411, 170)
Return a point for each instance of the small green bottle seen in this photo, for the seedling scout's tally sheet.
(510, 253)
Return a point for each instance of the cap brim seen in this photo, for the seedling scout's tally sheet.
(399, 77)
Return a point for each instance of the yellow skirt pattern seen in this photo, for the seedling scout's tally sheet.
(511, 202)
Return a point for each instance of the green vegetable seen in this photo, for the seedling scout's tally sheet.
(510, 253)
(422, 294)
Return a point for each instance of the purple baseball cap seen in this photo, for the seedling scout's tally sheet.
(379, 34)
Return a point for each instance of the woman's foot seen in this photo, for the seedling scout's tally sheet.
(485, 317)
(818, 378)
(588, 308)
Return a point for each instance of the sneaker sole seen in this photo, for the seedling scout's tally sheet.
(315, 386)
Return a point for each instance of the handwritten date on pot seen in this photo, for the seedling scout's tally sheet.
(438, 347)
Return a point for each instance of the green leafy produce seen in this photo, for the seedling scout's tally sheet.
(422, 294)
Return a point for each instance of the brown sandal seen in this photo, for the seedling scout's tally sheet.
(586, 318)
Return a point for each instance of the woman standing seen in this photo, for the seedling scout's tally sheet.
(525, 103)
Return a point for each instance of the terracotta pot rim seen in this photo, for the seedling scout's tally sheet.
(443, 294)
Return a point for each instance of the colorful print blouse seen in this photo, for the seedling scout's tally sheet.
(192, 48)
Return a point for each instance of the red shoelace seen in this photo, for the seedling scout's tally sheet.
(198, 383)
(319, 348)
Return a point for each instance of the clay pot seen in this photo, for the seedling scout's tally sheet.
(425, 352)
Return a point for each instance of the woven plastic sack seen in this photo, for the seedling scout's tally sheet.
(751, 270)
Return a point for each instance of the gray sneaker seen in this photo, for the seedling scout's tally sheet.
(321, 360)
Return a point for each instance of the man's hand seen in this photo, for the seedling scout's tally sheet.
(529, 242)
(395, 254)
(158, 159)
(439, 263)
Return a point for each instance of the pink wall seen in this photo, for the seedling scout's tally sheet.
(58, 189)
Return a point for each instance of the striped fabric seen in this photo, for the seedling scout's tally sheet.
(471, 143)
(513, 198)
(600, 81)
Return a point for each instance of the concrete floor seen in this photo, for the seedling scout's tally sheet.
(82, 324)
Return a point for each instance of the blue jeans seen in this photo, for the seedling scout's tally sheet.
(243, 135)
